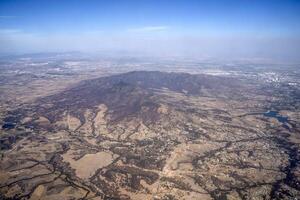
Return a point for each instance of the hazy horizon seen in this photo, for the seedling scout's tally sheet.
(228, 29)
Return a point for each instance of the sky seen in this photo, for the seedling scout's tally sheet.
(237, 29)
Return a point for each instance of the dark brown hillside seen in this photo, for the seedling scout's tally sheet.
(126, 94)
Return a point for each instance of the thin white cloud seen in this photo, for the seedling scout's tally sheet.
(149, 29)
(7, 16)
(93, 32)
(10, 31)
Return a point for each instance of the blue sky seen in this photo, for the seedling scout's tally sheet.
(49, 25)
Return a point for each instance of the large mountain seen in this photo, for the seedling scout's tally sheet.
(152, 135)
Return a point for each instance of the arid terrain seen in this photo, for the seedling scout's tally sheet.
(94, 130)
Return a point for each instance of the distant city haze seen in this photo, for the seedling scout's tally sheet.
(257, 30)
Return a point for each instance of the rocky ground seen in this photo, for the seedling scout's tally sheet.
(154, 135)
